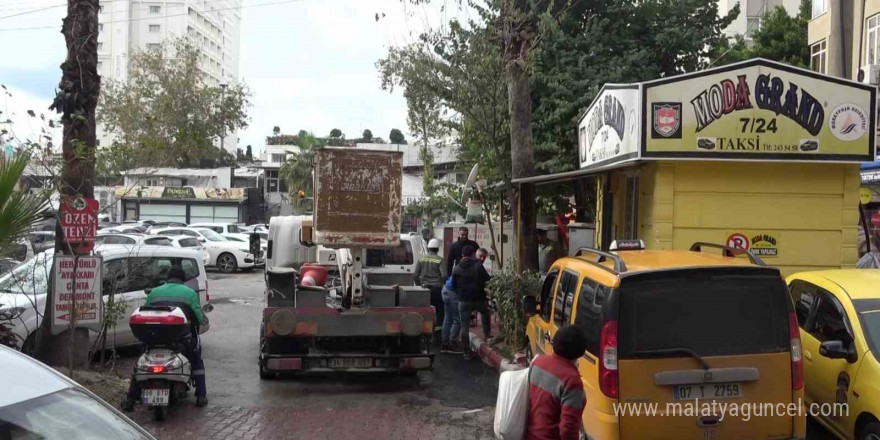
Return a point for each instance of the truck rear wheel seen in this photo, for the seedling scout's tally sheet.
(266, 374)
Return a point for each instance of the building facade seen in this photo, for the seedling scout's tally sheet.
(844, 38)
(126, 27)
(751, 13)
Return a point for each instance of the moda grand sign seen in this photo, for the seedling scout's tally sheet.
(754, 110)
(608, 131)
(758, 110)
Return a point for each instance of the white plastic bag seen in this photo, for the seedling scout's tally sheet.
(512, 407)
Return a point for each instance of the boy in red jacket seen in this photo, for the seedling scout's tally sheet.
(556, 393)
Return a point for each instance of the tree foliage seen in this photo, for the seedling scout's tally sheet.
(336, 133)
(249, 154)
(297, 170)
(780, 37)
(396, 137)
(164, 114)
(19, 209)
(367, 136)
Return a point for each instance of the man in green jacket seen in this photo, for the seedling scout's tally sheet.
(431, 274)
(174, 291)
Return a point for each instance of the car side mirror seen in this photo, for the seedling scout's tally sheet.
(530, 306)
(837, 350)
(202, 240)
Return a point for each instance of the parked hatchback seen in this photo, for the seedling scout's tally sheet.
(673, 329)
(127, 274)
(839, 316)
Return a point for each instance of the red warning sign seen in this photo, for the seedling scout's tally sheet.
(739, 241)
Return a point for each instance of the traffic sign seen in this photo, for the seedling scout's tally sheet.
(738, 241)
(79, 221)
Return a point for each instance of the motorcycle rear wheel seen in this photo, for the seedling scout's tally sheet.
(160, 413)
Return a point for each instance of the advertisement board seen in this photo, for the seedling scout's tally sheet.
(609, 130)
(764, 244)
(77, 293)
(79, 222)
(758, 110)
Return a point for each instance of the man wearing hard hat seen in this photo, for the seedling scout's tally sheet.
(431, 274)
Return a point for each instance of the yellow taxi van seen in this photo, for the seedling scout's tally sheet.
(681, 344)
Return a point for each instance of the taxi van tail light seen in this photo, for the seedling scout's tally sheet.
(608, 375)
(797, 356)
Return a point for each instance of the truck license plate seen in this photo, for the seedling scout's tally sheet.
(351, 363)
(155, 397)
(708, 391)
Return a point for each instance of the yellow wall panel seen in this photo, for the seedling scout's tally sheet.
(759, 177)
(750, 211)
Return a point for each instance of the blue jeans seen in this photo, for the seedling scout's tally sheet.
(466, 310)
(451, 321)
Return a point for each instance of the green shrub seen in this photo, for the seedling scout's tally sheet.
(508, 289)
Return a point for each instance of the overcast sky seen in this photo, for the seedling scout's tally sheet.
(310, 63)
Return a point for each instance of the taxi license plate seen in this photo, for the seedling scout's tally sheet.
(708, 391)
(155, 397)
(351, 363)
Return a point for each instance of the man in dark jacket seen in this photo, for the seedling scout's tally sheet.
(556, 393)
(469, 280)
(454, 255)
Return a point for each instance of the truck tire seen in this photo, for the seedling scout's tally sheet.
(266, 374)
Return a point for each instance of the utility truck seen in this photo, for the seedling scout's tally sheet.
(366, 320)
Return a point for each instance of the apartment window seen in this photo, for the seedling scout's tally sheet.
(100, 8)
(154, 46)
(156, 181)
(155, 9)
(100, 27)
(819, 7)
(818, 54)
(155, 28)
(873, 48)
(100, 65)
(100, 46)
(752, 26)
(278, 158)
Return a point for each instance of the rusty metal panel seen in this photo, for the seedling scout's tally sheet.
(357, 197)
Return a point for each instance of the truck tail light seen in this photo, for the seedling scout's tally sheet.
(608, 375)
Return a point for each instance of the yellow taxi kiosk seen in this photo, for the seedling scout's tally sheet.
(758, 155)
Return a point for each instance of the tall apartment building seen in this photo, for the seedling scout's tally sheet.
(844, 37)
(128, 26)
(751, 12)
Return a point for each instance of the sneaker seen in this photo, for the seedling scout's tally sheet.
(201, 401)
(444, 347)
(127, 405)
(455, 348)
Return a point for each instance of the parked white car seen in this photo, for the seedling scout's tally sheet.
(185, 241)
(127, 272)
(39, 402)
(111, 238)
(228, 256)
(220, 228)
(246, 238)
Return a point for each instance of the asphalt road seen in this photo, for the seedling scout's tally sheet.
(453, 401)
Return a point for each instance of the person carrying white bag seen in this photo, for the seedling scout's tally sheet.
(545, 401)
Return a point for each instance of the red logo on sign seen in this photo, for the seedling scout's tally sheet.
(875, 219)
(738, 241)
(79, 220)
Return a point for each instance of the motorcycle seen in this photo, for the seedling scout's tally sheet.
(162, 372)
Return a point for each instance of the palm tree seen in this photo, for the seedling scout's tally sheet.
(297, 170)
(19, 209)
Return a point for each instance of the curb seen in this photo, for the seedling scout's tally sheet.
(491, 357)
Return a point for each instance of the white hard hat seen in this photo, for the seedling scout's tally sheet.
(434, 244)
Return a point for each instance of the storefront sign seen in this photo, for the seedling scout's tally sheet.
(77, 293)
(182, 192)
(758, 110)
(871, 176)
(79, 221)
(761, 243)
(608, 132)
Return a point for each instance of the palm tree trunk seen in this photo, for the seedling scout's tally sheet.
(76, 100)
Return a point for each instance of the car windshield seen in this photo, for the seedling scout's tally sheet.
(68, 414)
(871, 324)
(31, 277)
(211, 235)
